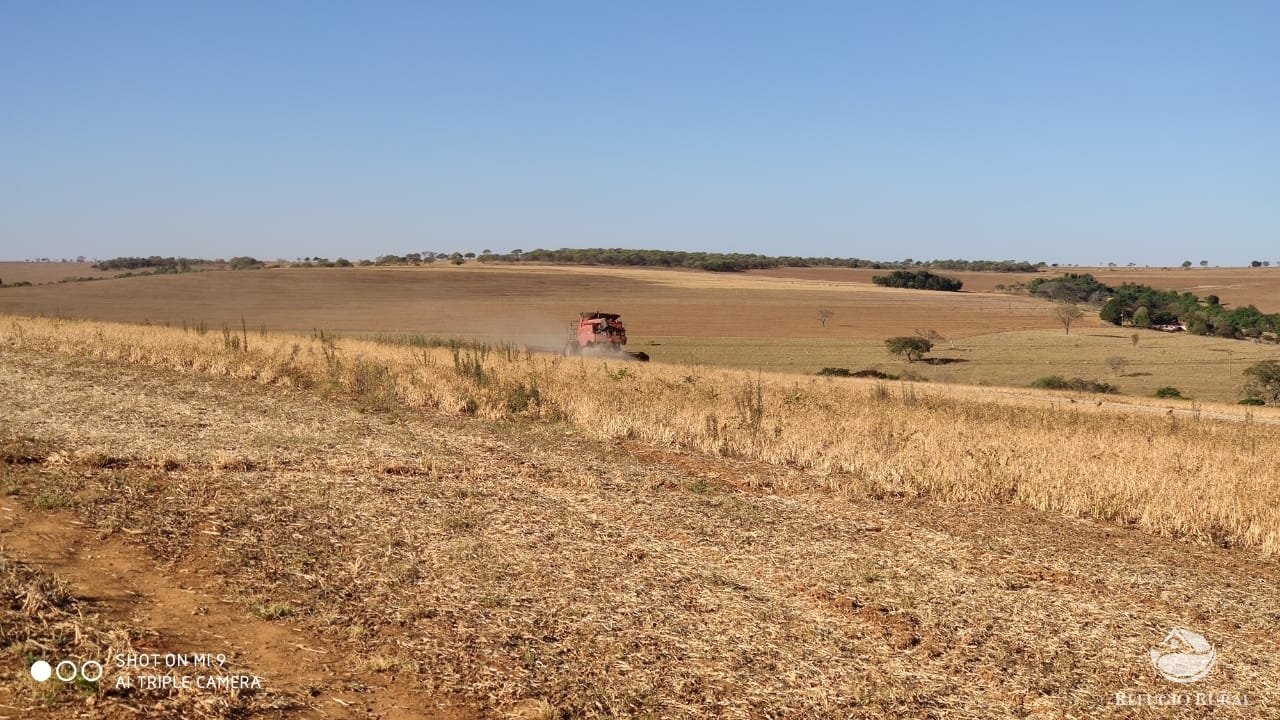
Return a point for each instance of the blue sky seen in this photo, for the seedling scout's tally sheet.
(1079, 132)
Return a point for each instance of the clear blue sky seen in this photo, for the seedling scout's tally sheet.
(1074, 132)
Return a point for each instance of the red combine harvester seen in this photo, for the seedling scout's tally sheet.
(602, 334)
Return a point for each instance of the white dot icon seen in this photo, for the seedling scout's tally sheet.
(41, 671)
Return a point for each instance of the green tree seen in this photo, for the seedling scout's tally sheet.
(1263, 382)
(1142, 317)
(1113, 311)
(1186, 263)
(917, 280)
(912, 347)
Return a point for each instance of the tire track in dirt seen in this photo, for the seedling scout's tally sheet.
(187, 615)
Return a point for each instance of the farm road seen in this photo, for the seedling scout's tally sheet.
(483, 569)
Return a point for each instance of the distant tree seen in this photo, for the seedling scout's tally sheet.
(1117, 365)
(1263, 382)
(1067, 314)
(1187, 263)
(1204, 263)
(934, 336)
(824, 315)
(1256, 263)
(470, 256)
(1211, 300)
(909, 346)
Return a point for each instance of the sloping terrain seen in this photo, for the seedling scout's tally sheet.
(461, 567)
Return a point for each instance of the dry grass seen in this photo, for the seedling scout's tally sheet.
(1203, 368)
(752, 321)
(534, 570)
(1167, 474)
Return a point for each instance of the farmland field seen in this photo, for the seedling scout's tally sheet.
(385, 530)
(754, 321)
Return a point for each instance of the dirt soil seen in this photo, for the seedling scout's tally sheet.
(417, 565)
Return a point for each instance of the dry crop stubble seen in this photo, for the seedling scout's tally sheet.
(517, 564)
(1200, 478)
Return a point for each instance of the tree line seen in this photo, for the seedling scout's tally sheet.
(159, 265)
(1145, 307)
(709, 261)
(738, 262)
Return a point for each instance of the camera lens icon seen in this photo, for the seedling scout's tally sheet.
(66, 671)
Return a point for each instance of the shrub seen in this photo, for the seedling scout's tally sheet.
(834, 371)
(875, 374)
(1168, 391)
(1057, 382)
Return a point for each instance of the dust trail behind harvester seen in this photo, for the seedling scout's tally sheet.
(570, 335)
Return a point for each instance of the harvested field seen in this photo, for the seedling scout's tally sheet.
(1235, 286)
(50, 272)
(575, 558)
(524, 304)
(678, 317)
